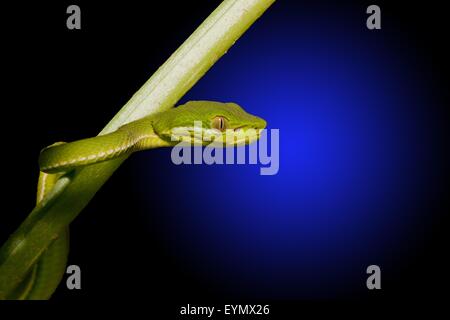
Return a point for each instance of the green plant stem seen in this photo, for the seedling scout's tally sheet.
(167, 85)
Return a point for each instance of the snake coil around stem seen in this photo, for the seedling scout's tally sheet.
(60, 158)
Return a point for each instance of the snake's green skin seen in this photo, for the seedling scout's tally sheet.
(163, 129)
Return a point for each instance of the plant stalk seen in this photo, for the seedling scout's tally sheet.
(167, 85)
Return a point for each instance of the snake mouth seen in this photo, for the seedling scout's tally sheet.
(207, 136)
(243, 135)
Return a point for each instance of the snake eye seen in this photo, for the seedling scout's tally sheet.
(219, 123)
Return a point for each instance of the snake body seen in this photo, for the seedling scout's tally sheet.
(154, 131)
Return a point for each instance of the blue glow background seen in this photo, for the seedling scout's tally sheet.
(356, 160)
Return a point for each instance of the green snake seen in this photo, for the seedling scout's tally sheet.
(164, 129)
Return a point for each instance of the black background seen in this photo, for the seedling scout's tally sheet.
(62, 83)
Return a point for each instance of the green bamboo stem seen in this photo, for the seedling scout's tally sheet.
(167, 85)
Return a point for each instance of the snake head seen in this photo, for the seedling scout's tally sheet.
(205, 122)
